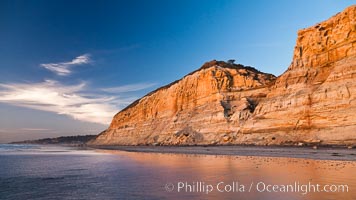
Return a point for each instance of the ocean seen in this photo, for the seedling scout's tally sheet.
(56, 172)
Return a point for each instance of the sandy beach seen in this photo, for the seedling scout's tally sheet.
(322, 153)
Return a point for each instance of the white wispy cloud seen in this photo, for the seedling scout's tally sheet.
(63, 68)
(68, 100)
(77, 101)
(129, 88)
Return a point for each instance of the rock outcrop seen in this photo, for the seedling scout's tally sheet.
(223, 103)
(202, 107)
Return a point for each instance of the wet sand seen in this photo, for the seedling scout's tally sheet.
(57, 172)
(322, 153)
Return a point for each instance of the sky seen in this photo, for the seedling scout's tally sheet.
(66, 67)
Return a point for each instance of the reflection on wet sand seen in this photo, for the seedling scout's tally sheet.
(209, 169)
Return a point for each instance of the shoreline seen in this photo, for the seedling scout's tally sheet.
(322, 153)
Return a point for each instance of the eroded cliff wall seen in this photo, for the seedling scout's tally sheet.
(198, 109)
(314, 100)
(221, 103)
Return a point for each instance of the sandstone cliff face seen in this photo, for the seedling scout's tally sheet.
(198, 109)
(312, 102)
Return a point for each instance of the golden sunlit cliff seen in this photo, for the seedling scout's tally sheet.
(224, 103)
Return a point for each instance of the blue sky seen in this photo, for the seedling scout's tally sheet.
(68, 66)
